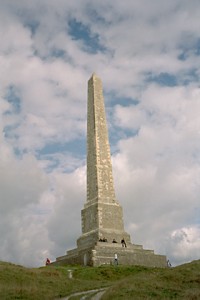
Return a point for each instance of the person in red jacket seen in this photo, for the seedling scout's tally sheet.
(48, 261)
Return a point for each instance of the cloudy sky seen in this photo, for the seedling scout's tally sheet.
(147, 54)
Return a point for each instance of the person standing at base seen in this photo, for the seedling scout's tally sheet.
(116, 260)
(48, 261)
(123, 243)
(168, 264)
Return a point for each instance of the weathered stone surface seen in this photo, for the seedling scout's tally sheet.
(103, 253)
(102, 216)
(100, 186)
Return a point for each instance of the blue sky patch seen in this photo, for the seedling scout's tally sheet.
(95, 16)
(79, 31)
(77, 147)
(164, 79)
(190, 76)
(74, 152)
(58, 53)
(124, 101)
(183, 56)
(197, 51)
(116, 134)
(32, 26)
(12, 96)
(9, 129)
(193, 49)
(17, 152)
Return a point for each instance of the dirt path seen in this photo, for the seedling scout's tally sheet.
(97, 294)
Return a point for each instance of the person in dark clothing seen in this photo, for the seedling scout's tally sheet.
(47, 261)
(123, 242)
(114, 241)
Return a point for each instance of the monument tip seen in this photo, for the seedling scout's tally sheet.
(94, 75)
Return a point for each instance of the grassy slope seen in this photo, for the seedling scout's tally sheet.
(183, 282)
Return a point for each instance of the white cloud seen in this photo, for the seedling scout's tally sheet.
(159, 167)
(65, 224)
(183, 244)
(22, 185)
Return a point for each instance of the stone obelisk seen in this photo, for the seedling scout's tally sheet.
(102, 215)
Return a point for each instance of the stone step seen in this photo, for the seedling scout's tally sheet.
(121, 251)
(118, 245)
(128, 257)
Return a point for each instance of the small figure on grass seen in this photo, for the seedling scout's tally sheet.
(168, 264)
(48, 261)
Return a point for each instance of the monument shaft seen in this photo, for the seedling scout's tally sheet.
(102, 215)
(99, 168)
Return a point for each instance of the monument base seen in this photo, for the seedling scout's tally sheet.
(103, 253)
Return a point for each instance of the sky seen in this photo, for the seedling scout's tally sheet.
(147, 54)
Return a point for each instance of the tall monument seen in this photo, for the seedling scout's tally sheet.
(102, 216)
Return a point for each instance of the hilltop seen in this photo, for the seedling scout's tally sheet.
(123, 282)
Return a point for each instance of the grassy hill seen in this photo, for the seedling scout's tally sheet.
(124, 282)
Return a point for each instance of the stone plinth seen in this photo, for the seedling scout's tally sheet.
(103, 253)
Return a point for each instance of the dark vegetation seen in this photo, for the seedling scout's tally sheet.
(123, 282)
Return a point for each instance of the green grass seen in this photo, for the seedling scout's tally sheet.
(182, 282)
(124, 282)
